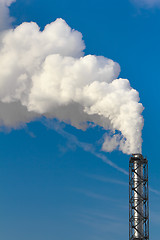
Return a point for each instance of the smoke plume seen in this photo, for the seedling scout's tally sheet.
(45, 73)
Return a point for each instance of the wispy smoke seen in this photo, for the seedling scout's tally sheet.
(5, 19)
(45, 73)
(147, 3)
(73, 142)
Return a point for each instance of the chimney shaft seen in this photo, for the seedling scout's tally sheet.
(138, 198)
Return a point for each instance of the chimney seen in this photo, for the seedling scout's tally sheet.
(138, 198)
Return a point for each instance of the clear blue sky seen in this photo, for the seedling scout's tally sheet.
(51, 188)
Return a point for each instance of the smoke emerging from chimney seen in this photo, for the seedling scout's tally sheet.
(45, 73)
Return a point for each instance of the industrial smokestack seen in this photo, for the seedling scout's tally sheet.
(138, 198)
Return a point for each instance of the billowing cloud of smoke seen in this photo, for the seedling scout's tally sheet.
(147, 3)
(45, 73)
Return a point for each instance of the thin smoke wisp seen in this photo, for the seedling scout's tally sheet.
(147, 3)
(5, 19)
(46, 73)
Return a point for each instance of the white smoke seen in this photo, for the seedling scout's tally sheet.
(45, 73)
(147, 3)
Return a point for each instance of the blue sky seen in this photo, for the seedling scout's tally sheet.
(53, 184)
